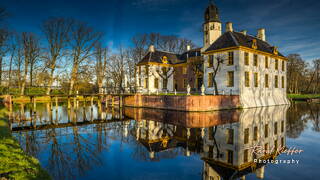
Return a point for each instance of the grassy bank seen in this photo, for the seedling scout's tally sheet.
(15, 163)
(303, 96)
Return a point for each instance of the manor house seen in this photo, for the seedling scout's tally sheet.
(229, 63)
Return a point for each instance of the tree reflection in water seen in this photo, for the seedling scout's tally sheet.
(299, 114)
(79, 146)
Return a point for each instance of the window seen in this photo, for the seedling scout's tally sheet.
(230, 79)
(230, 156)
(140, 82)
(276, 65)
(245, 155)
(282, 126)
(146, 83)
(282, 65)
(210, 63)
(282, 81)
(139, 69)
(146, 69)
(247, 79)
(282, 142)
(255, 60)
(211, 133)
(255, 133)
(266, 148)
(256, 80)
(230, 136)
(230, 59)
(185, 83)
(266, 62)
(184, 70)
(246, 58)
(275, 145)
(156, 83)
(266, 80)
(210, 80)
(276, 81)
(246, 136)
(266, 130)
(276, 128)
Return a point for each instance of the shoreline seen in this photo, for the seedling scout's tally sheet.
(15, 163)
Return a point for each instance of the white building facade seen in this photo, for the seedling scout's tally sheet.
(234, 63)
(240, 64)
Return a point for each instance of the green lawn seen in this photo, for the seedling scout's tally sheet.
(303, 96)
(15, 163)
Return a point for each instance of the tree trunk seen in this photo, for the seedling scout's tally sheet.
(0, 70)
(23, 86)
(30, 74)
(10, 71)
(73, 78)
(215, 86)
(50, 80)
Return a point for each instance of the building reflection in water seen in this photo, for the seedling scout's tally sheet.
(225, 139)
(74, 138)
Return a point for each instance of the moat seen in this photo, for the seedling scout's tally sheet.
(98, 142)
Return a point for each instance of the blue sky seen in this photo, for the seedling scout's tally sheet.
(292, 25)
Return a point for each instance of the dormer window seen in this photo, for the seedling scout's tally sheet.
(275, 50)
(164, 60)
(254, 44)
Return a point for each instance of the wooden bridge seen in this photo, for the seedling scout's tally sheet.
(108, 99)
(33, 127)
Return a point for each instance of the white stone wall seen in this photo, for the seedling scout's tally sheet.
(151, 81)
(262, 96)
(221, 77)
(249, 96)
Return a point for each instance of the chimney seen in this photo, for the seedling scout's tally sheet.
(229, 27)
(151, 48)
(244, 32)
(188, 47)
(261, 34)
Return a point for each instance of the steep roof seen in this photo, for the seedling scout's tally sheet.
(173, 58)
(191, 53)
(233, 39)
(156, 56)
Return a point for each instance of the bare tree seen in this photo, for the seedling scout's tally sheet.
(217, 63)
(31, 52)
(82, 41)
(164, 73)
(117, 69)
(100, 57)
(296, 72)
(17, 59)
(56, 31)
(4, 35)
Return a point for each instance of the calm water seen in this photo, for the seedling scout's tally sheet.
(91, 142)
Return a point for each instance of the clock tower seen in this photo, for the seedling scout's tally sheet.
(211, 26)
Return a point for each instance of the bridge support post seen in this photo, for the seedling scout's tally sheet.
(74, 101)
(34, 104)
(91, 100)
(120, 101)
(56, 98)
(69, 103)
(112, 101)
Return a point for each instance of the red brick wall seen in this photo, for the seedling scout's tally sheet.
(185, 119)
(184, 103)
